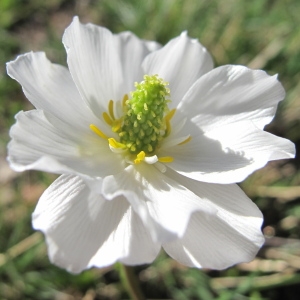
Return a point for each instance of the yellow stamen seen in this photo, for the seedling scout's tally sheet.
(107, 118)
(185, 141)
(166, 159)
(168, 117)
(113, 143)
(140, 157)
(96, 130)
(168, 128)
(116, 125)
(111, 109)
(125, 98)
(170, 114)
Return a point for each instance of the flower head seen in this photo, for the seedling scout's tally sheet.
(150, 142)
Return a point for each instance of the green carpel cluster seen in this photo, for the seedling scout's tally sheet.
(143, 122)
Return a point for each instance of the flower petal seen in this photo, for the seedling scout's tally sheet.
(227, 154)
(38, 144)
(180, 62)
(229, 94)
(94, 64)
(82, 229)
(217, 241)
(164, 205)
(132, 52)
(129, 184)
(50, 87)
(104, 66)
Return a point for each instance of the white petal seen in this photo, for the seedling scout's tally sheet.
(180, 62)
(38, 144)
(170, 202)
(164, 205)
(103, 66)
(232, 93)
(50, 87)
(132, 52)
(219, 240)
(152, 45)
(130, 184)
(83, 230)
(227, 154)
(94, 64)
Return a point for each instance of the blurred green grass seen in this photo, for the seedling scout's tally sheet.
(260, 34)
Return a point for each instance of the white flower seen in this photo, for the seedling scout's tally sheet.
(157, 170)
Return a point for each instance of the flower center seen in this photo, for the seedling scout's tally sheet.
(143, 126)
(145, 122)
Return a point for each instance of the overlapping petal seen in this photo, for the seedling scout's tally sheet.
(38, 144)
(230, 94)
(218, 240)
(162, 203)
(227, 154)
(50, 87)
(82, 229)
(128, 45)
(180, 62)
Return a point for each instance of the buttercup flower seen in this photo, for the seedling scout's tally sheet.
(150, 142)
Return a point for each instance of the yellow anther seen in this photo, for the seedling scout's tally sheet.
(150, 148)
(116, 125)
(170, 114)
(113, 143)
(185, 141)
(140, 157)
(168, 128)
(107, 118)
(125, 98)
(168, 117)
(96, 130)
(111, 109)
(166, 159)
(145, 106)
